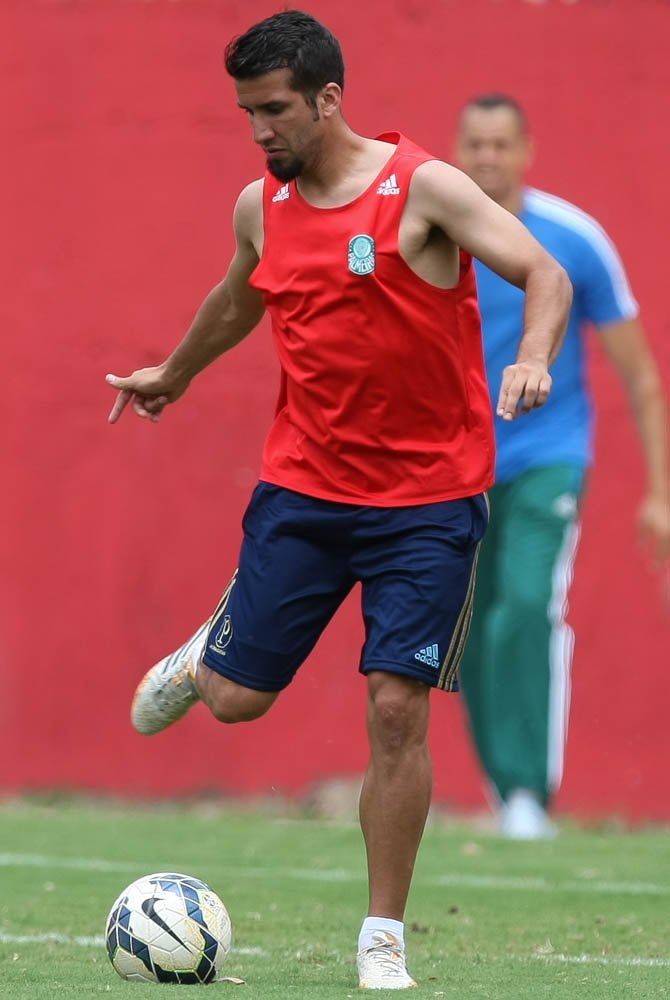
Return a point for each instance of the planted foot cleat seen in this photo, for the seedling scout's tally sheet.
(382, 965)
(167, 691)
(523, 818)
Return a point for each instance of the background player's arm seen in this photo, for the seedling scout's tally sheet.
(230, 312)
(627, 347)
(448, 199)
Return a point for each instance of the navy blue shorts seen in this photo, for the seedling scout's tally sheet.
(300, 558)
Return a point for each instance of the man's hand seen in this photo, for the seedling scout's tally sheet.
(525, 386)
(149, 390)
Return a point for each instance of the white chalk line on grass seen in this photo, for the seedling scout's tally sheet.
(88, 941)
(486, 882)
(83, 940)
(545, 885)
(604, 960)
(98, 941)
(8, 860)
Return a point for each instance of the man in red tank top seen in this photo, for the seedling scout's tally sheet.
(376, 465)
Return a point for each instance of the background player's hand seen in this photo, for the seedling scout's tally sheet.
(525, 386)
(653, 523)
(148, 390)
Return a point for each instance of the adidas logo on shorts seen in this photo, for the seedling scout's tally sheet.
(430, 655)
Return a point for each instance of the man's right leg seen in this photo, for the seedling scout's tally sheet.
(168, 690)
(292, 577)
(231, 702)
(179, 680)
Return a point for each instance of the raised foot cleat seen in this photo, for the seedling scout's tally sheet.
(167, 691)
(382, 965)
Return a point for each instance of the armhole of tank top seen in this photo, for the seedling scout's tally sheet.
(466, 263)
(405, 185)
(465, 259)
(265, 208)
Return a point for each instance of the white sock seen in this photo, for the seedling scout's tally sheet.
(372, 924)
(194, 647)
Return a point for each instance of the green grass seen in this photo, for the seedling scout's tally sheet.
(585, 916)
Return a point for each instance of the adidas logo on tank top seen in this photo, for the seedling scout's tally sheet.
(282, 194)
(389, 186)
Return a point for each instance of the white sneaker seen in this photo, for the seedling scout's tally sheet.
(523, 818)
(167, 691)
(382, 965)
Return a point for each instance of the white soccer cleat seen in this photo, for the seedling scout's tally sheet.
(523, 818)
(167, 691)
(382, 965)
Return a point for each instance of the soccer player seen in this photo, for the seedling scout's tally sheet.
(377, 462)
(515, 672)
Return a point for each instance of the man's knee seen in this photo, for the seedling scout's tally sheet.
(398, 710)
(230, 702)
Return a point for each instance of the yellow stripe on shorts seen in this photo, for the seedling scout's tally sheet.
(452, 660)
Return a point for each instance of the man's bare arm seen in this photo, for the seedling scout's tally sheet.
(230, 312)
(447, 198)
(626, 345)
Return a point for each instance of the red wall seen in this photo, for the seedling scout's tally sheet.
(123, 152)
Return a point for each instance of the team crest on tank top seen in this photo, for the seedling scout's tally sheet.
(361, 254)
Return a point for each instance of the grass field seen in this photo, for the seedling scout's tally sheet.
(585, 916)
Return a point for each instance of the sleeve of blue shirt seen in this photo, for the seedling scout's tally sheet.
(602, 286)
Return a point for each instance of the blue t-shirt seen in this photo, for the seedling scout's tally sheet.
(561, 430)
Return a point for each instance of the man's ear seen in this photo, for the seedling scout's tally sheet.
(329, 99)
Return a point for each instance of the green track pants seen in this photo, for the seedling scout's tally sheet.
(515, 673)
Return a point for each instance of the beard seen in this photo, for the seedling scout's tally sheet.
(286, 171)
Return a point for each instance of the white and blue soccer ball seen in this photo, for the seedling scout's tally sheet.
(168, 928)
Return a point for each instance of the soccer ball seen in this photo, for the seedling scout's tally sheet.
(168, 928)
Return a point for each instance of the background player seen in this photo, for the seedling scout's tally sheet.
(515, 672)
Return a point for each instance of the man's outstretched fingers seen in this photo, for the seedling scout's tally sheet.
(144, 405)
(120, 404)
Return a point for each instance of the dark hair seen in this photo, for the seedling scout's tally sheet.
(288, 40)
(493, 100)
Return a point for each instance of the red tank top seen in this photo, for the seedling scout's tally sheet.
(383, 398)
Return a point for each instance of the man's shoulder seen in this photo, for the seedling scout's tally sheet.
(249, 208)
(250, 198)
(540, 207)
(252, 192)
(580, 242)
(431, 174)
(559, 222)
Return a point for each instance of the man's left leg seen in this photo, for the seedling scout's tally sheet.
(417, 567)
(393, 808)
